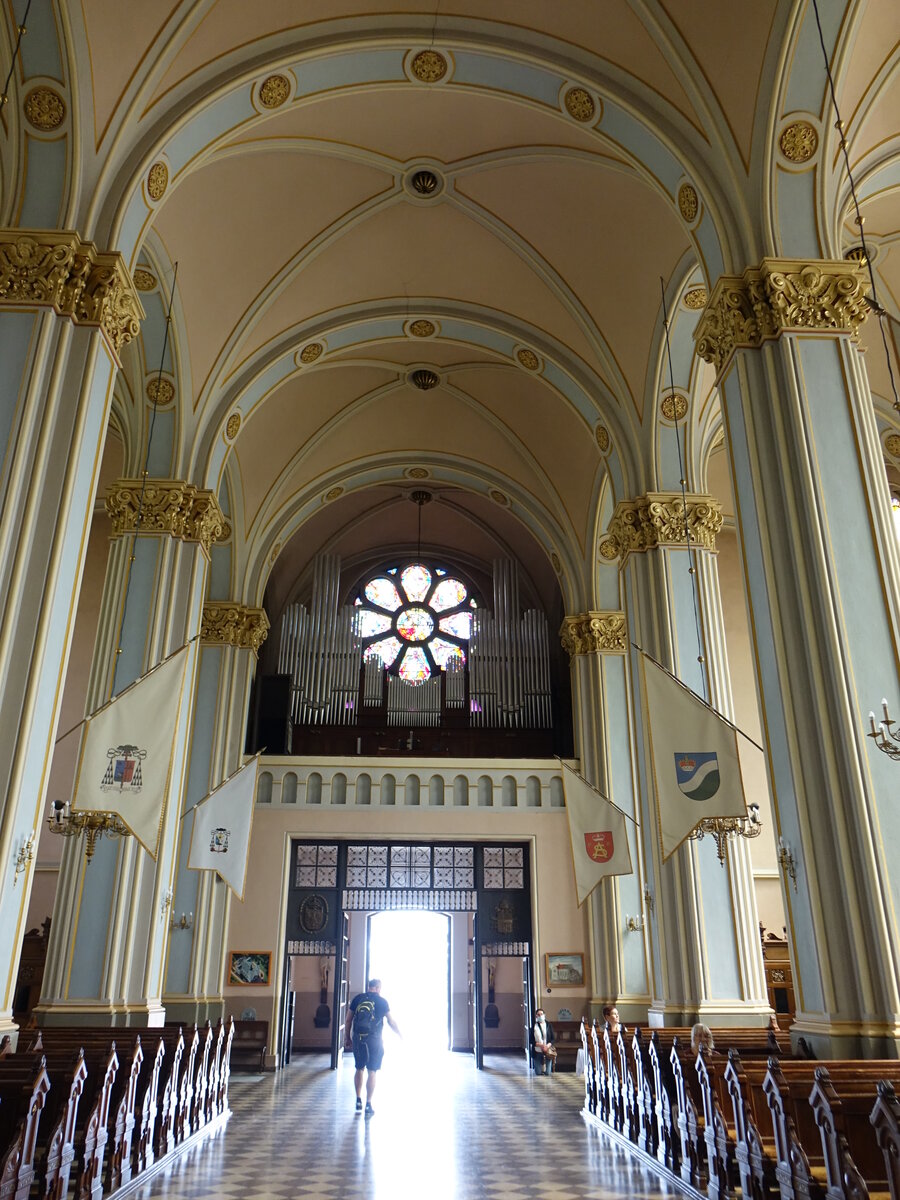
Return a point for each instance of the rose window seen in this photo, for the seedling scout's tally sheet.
(416, 619)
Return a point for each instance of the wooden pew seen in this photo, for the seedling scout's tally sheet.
(850, 1150)
(885, 1120)
(249, 1045)
(590, 1068)
(23, 1091)
(57, 1150)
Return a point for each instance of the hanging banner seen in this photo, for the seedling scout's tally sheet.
(694, 758)
(220, 838)
(597, 830)
(127, 750)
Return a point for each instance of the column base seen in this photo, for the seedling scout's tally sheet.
(138, 1016)
(187, 1010)
(718, 1014)
(830, 1038)
(8, 1028)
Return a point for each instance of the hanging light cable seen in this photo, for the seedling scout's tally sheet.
(21, 31)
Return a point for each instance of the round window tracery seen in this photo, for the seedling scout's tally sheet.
(417, 619)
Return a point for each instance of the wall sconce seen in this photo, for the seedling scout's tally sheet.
(786, 861)
(186, 921)
(648, 898)
(24, 856)
(165, 903)
(634, 924)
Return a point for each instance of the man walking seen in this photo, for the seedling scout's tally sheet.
(366, 1014)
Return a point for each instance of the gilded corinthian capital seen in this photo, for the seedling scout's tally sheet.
(227, 623)
(662, 519)
(594, 633)
(166, 506)
(55, 269)
(781, 295)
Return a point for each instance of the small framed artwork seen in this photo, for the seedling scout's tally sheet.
(250, 967)
(565, 970)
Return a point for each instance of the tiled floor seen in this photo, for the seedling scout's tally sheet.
(444, 1133)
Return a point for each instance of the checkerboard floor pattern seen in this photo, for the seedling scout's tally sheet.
(451, 1134)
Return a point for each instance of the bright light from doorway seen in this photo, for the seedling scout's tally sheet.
(410, 953)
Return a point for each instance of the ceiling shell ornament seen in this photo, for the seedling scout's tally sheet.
(274, 91)
(528, 359)
(674, 406)
(233, 426)
(157, 181)
(428, 66)
(421, 328)
(601, 434)
(688, 202)
(579, 104)
(662, 519)
(799, 142)
(333, 493)
(160, 391)
(144, 280)
(424, 379)
(594, 633)
(227, 623)
(696, 298)
(417, 473)
(781, 295)
(45, 109)
(310, 353)
(499, 497)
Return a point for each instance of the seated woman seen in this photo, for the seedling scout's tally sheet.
(611, 1016)
(701, 1035)
(544, 1050)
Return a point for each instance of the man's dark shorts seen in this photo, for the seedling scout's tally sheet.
(368, 1052)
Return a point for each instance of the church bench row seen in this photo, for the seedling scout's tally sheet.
(75, 1108)
(764, 1128)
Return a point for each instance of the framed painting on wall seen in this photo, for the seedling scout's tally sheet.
(565, 970)
(250, 967)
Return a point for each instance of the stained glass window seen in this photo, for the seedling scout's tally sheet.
(417, 619)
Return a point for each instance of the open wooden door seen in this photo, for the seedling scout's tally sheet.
(528, 1009)
(287, 1012)
(478, 1015)
(341, 984)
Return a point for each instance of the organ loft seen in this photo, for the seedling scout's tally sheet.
(450, 474)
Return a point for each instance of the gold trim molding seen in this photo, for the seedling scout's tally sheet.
(662, 519)
(594, 633)
(227, 623)
(781, 295)
(56, 269)
(167, 506)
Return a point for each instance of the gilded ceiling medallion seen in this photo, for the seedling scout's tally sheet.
(498, 497)
(696, 297)
(160, 391)
(333, 493)
(528, 359)
(425, 182)
(311, 352)
(234, 424)
(423, 379)
(601, 433)
(429, 66)
(555, 563)
(274, 91)
(143, 280)
(422, 328)
(157, 181)
(799, 141)
(45, 109)
(892, 445)
(608, 549)
(673, 407)
(276, 550)
(580, 104)
(688, 204)
(418, 473)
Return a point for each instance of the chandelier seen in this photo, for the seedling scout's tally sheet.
(882, 735)
(92, 823)
(723, 828)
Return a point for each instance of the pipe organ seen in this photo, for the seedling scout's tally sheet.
(501, 681)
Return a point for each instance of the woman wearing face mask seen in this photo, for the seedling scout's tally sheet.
(544, 1050)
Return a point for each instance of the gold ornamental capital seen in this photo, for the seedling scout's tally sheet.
(166, 506)
(662, 519)
(228, 623)
(781, 295)
(55, 269)
(594, 633)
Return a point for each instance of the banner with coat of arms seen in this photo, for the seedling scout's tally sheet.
(127, 749)
(598, 833)
(694, 758)
(220, 839)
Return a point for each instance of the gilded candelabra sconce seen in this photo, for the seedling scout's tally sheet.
(93, 824)
(186, 921)
(786, 861)
(723, 828)
(166, 903)
(24, 856)
(648, 898)
(882, 735)
(634, 924)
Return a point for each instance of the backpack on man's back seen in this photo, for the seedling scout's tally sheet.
(364, 1017)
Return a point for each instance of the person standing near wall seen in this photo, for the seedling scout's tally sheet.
(365, 1017)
